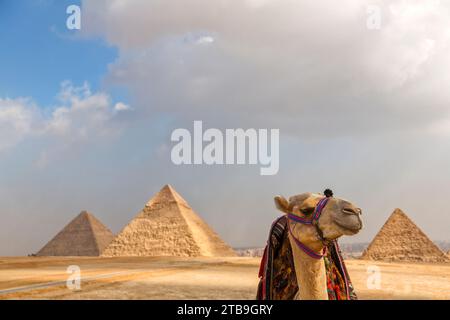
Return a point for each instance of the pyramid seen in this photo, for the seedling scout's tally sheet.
(401, 240)
(83, 236)
(167, 226)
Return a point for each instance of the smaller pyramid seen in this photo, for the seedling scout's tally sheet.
(168, 226)
(400, 239)
(83, 236)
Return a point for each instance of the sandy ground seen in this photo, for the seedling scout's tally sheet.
(203, 278)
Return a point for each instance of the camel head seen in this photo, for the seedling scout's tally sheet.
(339, 217)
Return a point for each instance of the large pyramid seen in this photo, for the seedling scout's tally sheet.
(83, 236)
(401, 240)
(167, 226)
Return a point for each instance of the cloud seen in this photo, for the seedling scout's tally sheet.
(82, 115)
(121, 107)
(79, 116)
(17, 117)
(292, 64)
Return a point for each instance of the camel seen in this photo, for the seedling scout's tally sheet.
(337, 218)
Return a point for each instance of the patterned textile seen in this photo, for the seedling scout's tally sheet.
(277, 272)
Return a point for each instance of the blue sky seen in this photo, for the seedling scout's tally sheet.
(39, 52)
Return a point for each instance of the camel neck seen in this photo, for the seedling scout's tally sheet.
(311, 275)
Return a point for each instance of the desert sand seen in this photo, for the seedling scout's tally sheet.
(198, 278)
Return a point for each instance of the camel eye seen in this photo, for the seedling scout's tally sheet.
(307, 211)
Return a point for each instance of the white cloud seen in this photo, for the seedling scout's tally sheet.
(82, 115)
(79, 116)
(121, 107)
(17, 118)
(287, 64)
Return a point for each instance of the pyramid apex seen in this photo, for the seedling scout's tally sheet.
(167, 193)
(398, 211)
(168, 187)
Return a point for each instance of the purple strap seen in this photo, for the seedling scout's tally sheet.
(307, 250)
(295, 218)
(322, 203)
(317, 212)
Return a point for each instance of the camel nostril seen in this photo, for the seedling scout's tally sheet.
(348, 210)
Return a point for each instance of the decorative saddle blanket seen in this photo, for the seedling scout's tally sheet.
(277, 272)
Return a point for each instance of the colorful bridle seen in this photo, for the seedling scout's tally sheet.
(314, 221)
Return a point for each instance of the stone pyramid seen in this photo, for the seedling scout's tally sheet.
(167, 226)
(83, 236)
(401, 240)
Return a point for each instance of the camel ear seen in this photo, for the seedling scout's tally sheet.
(282, 204)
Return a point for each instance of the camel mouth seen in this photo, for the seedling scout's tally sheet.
(350, 228)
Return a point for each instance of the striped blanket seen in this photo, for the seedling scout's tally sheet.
(277, 272)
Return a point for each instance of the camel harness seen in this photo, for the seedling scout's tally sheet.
(315, 222)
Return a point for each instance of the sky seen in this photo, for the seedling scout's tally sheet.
(86, 115)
